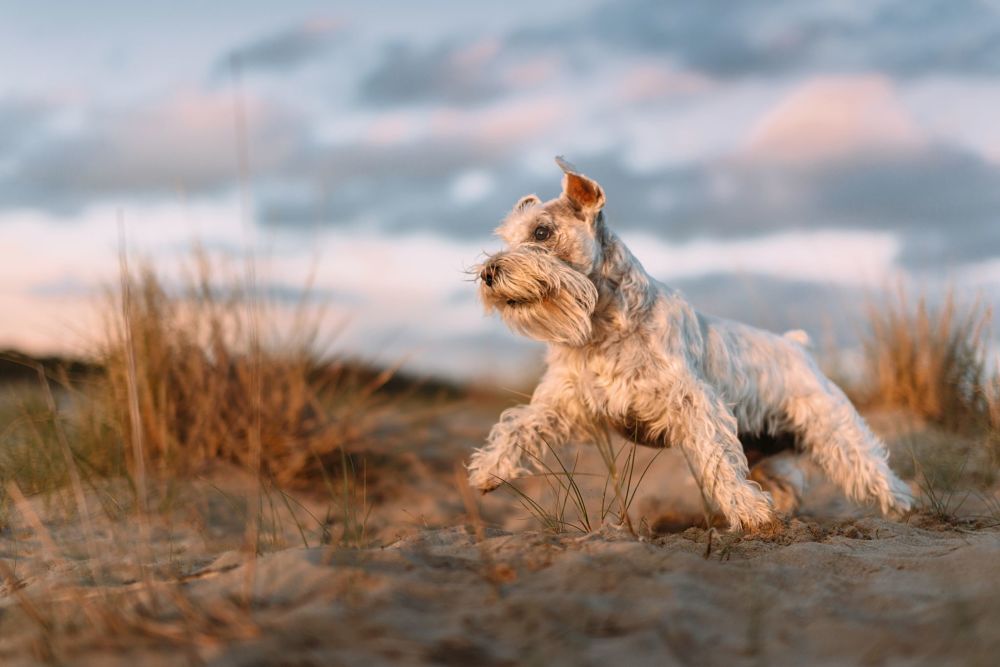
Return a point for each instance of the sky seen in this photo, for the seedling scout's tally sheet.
(779, 162)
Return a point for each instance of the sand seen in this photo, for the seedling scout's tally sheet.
(428, 584)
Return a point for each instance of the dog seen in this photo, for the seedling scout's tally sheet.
(629, 352)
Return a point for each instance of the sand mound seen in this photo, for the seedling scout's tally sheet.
(868, 591)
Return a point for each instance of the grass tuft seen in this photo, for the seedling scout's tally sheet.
(932, 362)
(198, 367)
(929, 360)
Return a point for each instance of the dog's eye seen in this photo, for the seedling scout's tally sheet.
(542, 233)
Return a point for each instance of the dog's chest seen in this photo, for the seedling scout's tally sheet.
(622, 391)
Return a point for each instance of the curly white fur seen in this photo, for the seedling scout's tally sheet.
(632, 352)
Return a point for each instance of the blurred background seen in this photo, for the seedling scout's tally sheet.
(778, 162)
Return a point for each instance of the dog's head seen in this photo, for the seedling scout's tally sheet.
(542, 284)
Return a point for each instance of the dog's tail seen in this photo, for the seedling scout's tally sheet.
(798, 336)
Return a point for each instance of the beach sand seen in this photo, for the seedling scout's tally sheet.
(428, 583)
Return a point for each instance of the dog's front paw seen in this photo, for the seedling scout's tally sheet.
(483, 481)
(487, 472)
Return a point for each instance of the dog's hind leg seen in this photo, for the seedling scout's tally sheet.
(835, 436)
(782, 476)
(778, 466)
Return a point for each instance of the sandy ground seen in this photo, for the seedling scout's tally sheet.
(429, 584)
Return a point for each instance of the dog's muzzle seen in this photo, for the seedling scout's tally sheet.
(489, 273)
(538, 295)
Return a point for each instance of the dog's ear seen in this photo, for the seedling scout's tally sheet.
(581, 191)
(526, 202)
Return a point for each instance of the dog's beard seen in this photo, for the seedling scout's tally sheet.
(541, 297)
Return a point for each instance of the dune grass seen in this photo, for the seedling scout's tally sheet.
(186, 378)
(563, 505)
(183, 380)
(931, 360)
(209, 383)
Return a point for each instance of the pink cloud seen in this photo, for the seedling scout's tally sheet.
(505, 124)
(833, 117)
(194, 132)
(533, 72)
(651, 82)
(478, 54)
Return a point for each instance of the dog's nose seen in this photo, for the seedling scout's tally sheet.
(488, 274)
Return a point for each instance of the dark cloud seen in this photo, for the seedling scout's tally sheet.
(20, 121)
(951, 245)
(284, 50)
(943, 204)
(936, 36)
(778, 304)
(401, 186)
(451, 73)
(761, 37)
(186, 144)
(834, 316)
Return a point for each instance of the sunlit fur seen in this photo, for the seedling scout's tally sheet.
(631, 352)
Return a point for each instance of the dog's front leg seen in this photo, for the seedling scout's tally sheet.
(517, 442)
(703, 427)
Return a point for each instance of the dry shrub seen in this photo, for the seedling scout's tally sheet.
(48, 434)
(930, 360)
(211, 383)
(992, 403)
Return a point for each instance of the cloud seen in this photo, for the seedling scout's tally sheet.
(459, 176)
(20, 121)
(759, 37)
(830, 118)
(834, 316)
(942, 203)
(449, 72)
(417, 185)
(645, 83)
(832, 256)
(466, 132)
(186, 143)
(827, 312)
(286, 49)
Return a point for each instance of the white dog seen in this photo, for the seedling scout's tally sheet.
(631, 352)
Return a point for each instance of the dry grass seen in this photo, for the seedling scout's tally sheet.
(932, 362)
(209, 383)
(991, 399)
(929, 360)
(185, 379)
(562, 505)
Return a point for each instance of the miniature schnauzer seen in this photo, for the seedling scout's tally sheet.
(629, 352)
